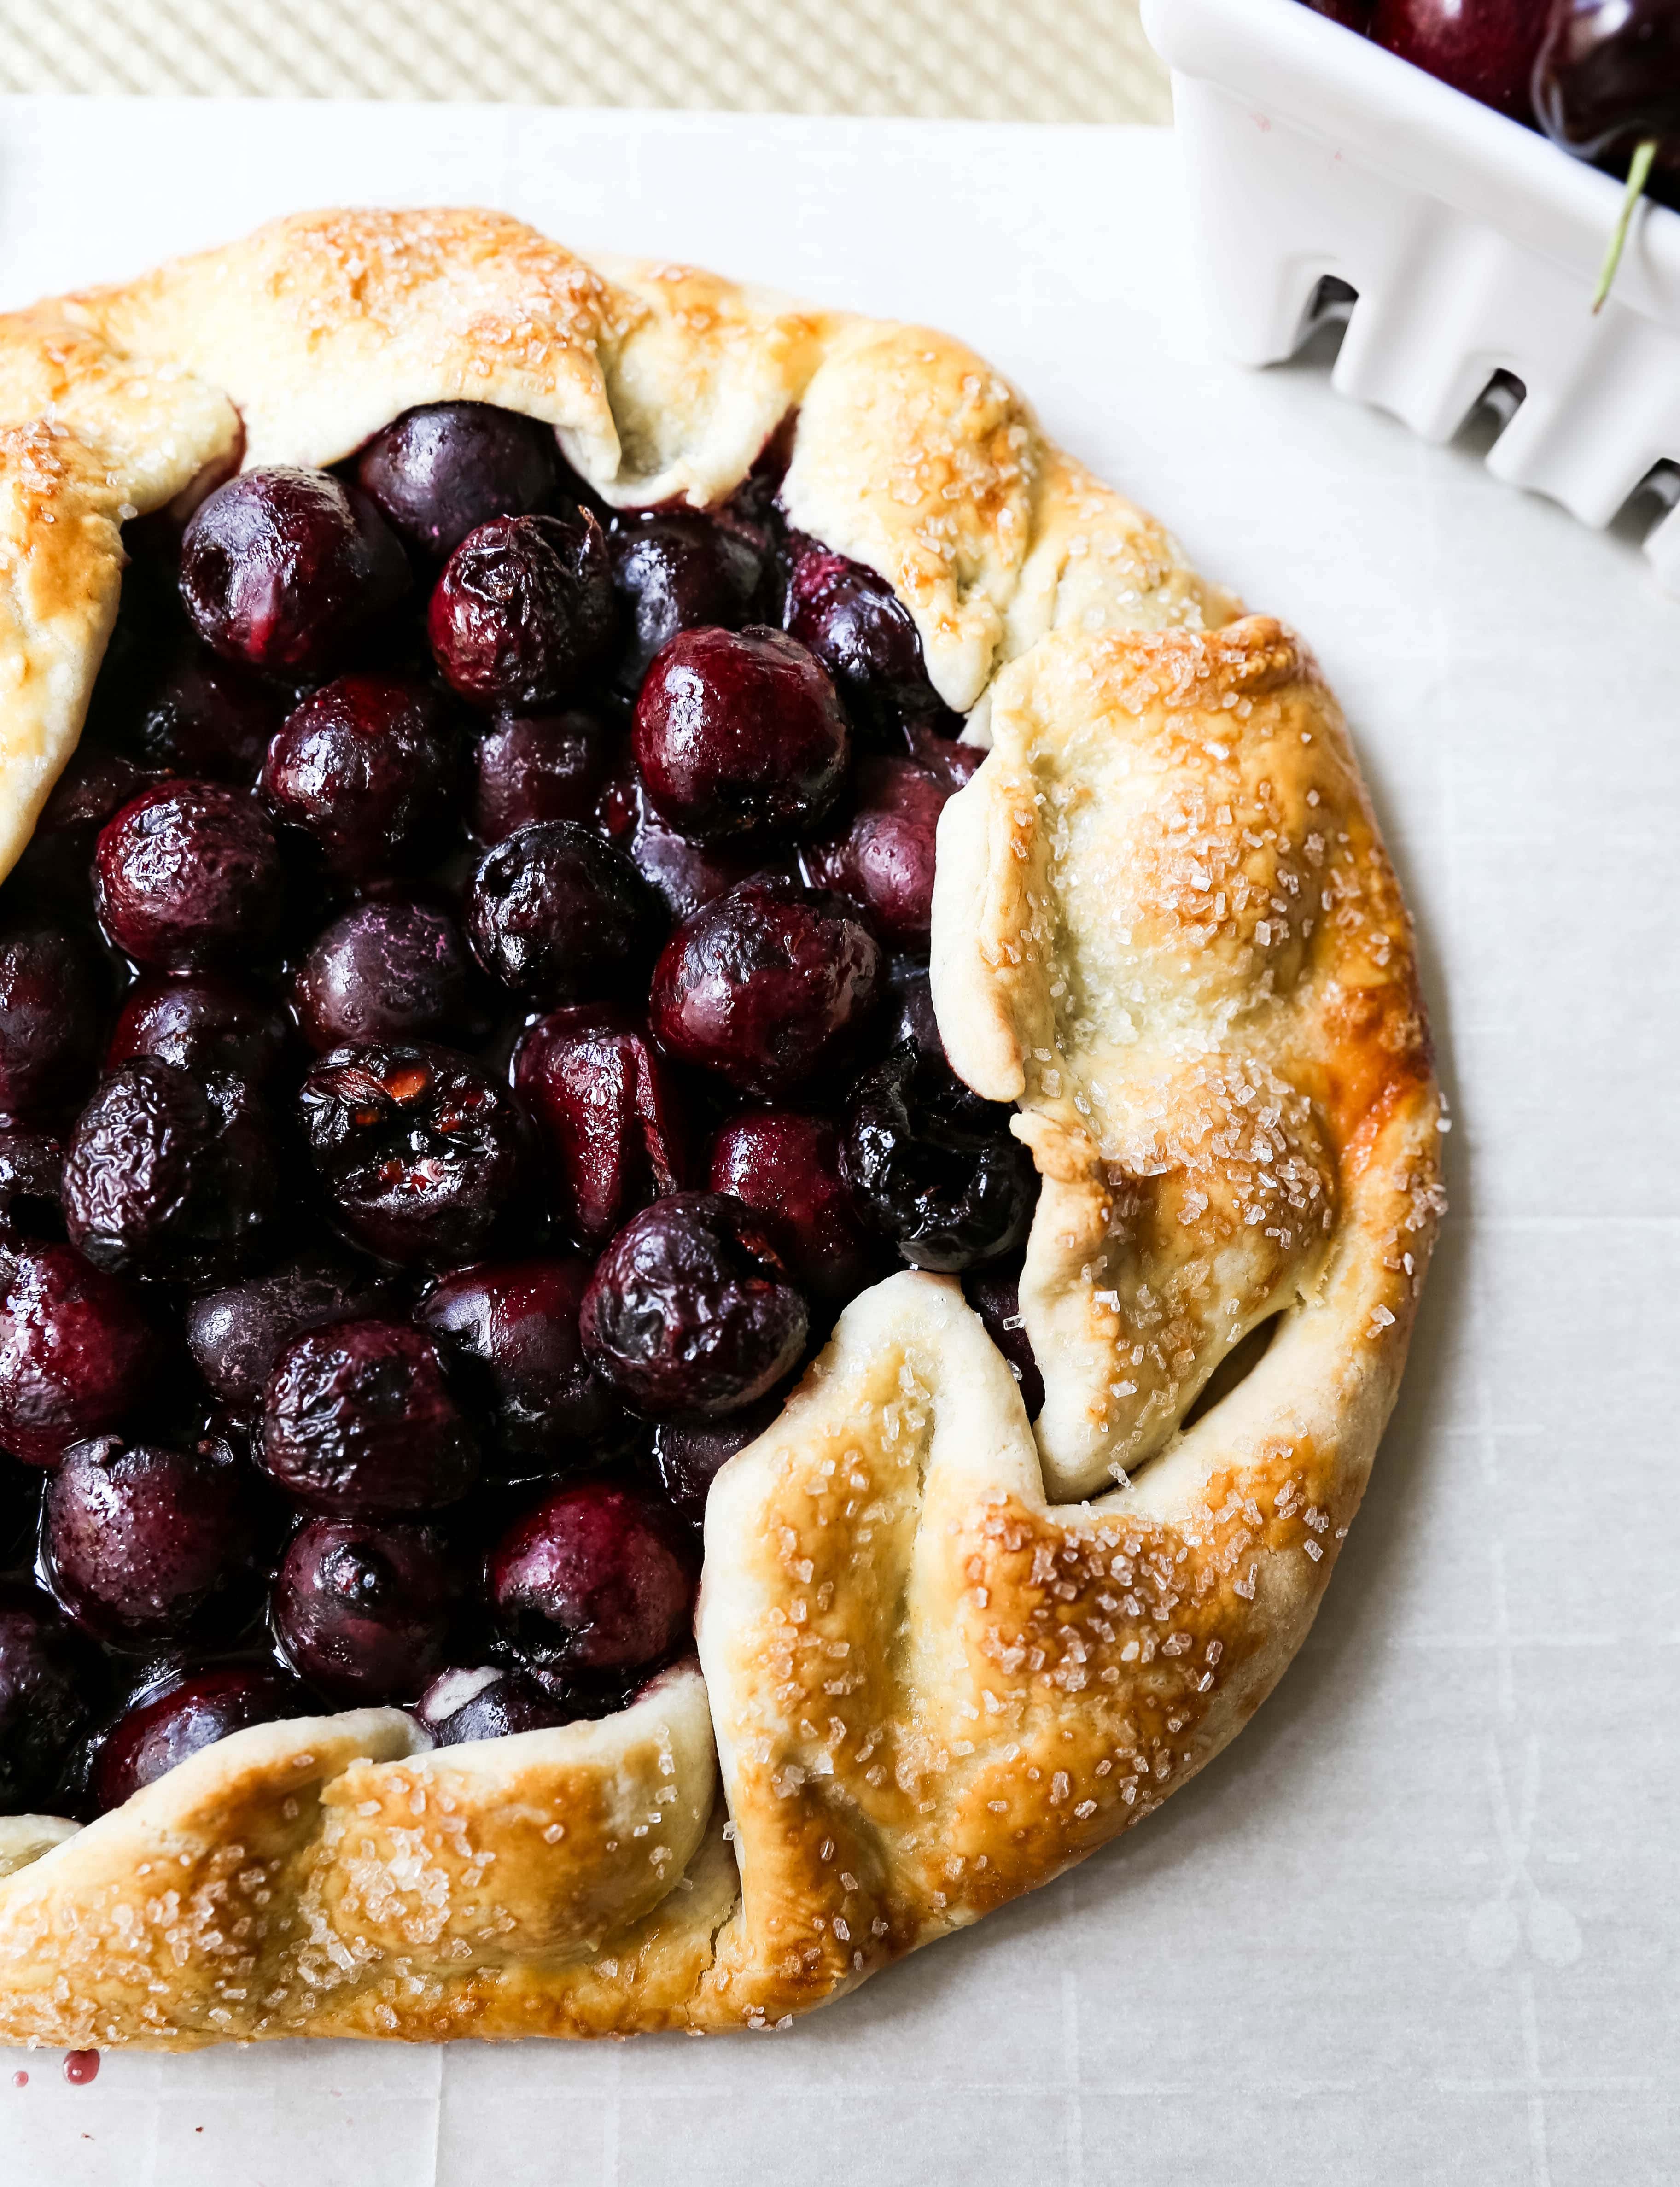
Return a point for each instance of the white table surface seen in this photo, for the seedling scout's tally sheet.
(1420, 1923)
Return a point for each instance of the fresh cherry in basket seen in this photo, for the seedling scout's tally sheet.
(1484, 47)
(1608, 75)
(1601, 77)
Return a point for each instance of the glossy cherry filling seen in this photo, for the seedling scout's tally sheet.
(463, 1039)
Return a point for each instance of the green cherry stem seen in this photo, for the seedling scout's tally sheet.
(1639, 174)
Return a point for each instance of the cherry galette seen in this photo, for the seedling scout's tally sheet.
(656, 974)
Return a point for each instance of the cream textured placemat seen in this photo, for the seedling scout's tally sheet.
(1038, 61)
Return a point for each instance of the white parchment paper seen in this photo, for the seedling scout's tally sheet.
(1420, 1923)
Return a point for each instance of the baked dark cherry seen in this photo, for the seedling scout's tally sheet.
(97, 783)
(767, 985)
(21, 1490)
(513, 1326)
(189, 874)
(284, 569)
(557, 913)
(937, 1172)
(688, 1456)
(497, 1700)
(855, 624)
(366, 767)
(192, 1712)
(607, 1111)
(756, 501)
(680, 570)
(937, 747)
(593, 1578)
(236, 1335)
(884, 861)
(51, 1002)
(207, 718)
(205, 1024)
(686, 874)
(77, 1351)
(740, 734)
(144, 1541)
(1352, 14)
(691, 1309)
(787, 1165)
(1488, 49)
(440, 471)
(909, 1012)
(910, 1017)
(358, 1418)
(536, 767)
(159, 1182)
(50, 1683)
(419, 1149)
(384, 971)
(53, 877)
(524, 607)
(32, 1185)
(994, 1293)
(150, 628)
(364, 1613)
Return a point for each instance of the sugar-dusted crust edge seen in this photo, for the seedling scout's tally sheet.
(337, 1873)
(663, 383)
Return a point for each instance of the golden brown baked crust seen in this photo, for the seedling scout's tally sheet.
(1172, 936)
(1164, 924)
(89, 438)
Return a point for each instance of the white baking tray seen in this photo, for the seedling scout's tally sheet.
(1472, 247)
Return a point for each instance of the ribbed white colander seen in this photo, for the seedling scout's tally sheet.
(1331, 178)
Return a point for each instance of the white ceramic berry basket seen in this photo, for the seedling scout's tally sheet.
(1472, 246)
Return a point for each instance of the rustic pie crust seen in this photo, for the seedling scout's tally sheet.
(944, 1652)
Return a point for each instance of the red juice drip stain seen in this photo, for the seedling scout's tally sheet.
(19, 2080)
(82, 2067)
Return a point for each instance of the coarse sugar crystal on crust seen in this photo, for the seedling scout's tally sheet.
(1171, 932)
(1164, 926)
